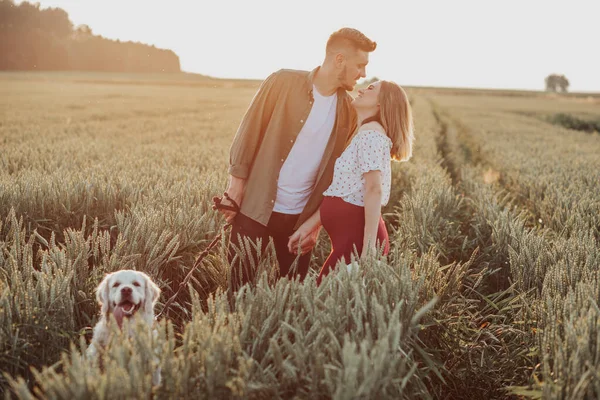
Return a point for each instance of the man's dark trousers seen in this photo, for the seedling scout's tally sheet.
(279, 228)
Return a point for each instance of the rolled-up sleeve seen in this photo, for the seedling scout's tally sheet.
(251, 130)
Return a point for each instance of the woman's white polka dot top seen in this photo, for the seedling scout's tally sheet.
(369, 150)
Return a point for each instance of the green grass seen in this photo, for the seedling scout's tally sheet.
(490, 291)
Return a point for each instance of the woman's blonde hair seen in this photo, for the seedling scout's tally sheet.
(395, 115)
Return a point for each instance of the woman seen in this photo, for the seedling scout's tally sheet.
(351, 209)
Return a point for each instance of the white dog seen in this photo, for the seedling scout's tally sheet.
(124, 294)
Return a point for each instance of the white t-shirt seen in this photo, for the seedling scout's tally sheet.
(299, 171)
(369, 150)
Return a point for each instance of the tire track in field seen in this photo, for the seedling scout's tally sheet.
(538, 262)
(443, 146)
(460, 150)
(459, 155)
(446, 146)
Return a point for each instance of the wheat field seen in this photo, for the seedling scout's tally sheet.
(491, 289)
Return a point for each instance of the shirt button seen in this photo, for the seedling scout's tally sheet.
(272, 201)
(301, 120)
(282, 160)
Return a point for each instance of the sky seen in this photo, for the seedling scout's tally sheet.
(511, 44)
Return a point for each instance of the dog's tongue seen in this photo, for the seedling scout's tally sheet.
(121, 311)
(119, 314)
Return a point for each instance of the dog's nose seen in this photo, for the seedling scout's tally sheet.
(126, 290)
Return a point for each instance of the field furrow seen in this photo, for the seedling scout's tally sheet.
(490, 291)
(549, 263)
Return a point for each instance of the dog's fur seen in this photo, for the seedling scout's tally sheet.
(123, 294)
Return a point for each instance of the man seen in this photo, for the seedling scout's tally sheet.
(282, 157)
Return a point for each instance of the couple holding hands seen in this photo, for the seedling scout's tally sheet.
(307, 154)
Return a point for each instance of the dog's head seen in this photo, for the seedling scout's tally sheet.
(125, 292)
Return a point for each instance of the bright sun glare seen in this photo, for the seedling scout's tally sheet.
(512, 44)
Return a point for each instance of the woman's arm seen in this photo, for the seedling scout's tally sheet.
(373, 194)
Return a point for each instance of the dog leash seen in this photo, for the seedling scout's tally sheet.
(217, 204)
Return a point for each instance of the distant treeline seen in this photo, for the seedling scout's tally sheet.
(45, 39)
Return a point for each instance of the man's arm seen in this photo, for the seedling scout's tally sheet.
(251, 129)
(247, 140)
(235, 191)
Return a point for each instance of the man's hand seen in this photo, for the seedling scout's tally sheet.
(236, 192)
(303, 238)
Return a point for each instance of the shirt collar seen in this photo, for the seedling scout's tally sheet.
(310, 78)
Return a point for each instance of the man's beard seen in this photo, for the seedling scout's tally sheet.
(342, 78)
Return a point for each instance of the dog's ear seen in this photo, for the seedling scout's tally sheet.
(150, 296)
(102, 294)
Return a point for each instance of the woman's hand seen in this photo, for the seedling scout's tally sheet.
(304, 238)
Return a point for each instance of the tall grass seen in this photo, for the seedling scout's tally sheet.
(551, 240)
(475, 300)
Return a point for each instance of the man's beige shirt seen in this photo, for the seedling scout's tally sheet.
(267, 133)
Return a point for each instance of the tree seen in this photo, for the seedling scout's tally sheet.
(32, 38)
(82, 31)
(554, 82)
